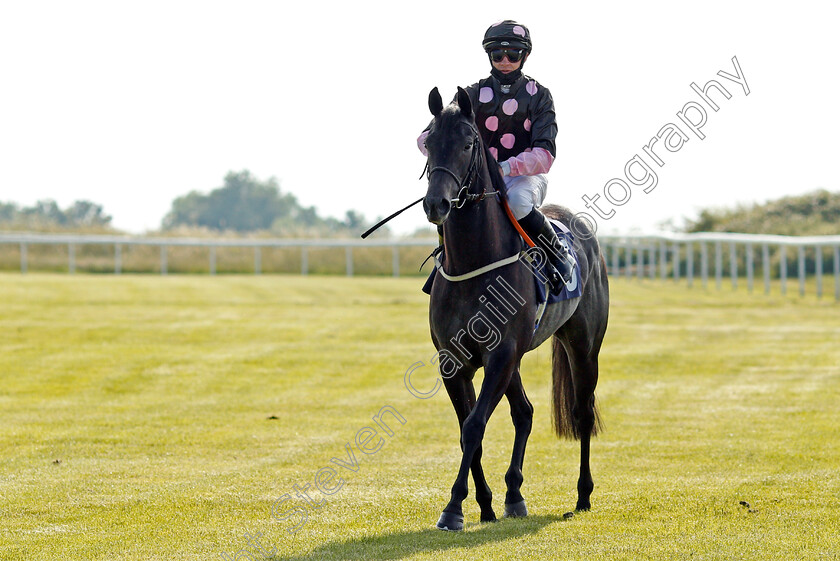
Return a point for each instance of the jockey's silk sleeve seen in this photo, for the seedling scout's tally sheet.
(531, 162)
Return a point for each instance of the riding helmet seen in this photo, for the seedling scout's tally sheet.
(507, 33)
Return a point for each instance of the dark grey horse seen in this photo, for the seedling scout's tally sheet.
(482, 313)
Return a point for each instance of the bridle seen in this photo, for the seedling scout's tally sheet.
(465, 196)
(465, 183)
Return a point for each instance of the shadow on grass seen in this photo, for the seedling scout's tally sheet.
(404, 544)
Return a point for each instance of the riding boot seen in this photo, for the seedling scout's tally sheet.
(560, 268)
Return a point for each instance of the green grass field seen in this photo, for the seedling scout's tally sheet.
(163, 417)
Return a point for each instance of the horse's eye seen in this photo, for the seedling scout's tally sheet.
(468, 146)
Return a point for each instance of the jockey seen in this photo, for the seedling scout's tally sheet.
(515, 117)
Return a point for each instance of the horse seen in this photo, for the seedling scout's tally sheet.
(475, 322)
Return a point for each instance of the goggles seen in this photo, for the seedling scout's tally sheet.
(513, 55)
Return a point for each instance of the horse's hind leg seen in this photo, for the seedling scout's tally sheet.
(522, 414)
(462, 394)
(585, 418)
(575, 371)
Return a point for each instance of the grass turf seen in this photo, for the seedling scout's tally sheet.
(162, 418)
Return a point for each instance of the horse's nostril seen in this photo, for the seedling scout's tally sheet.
(444, 207)
(437, 209)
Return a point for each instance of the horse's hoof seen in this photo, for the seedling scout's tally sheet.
(489, 517)
(582, 506)
(450, 522)
(516, 510)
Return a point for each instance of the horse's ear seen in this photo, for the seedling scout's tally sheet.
(464, 102)
(435, 102)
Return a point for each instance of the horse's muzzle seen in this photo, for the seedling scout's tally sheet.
(437, 209)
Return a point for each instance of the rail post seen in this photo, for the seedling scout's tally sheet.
(733, 264)
(750, 266)
(689, 263)
(348, 253)
(819, 271)
(24, 257)
(783, 268)
(765, 263)
(800, 250)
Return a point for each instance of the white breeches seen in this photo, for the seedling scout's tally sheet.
(525, 192)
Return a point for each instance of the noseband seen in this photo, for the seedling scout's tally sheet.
(465, 183)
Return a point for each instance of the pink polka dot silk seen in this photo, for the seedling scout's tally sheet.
(531, 87)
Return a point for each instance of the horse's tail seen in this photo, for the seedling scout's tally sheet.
(563, 397)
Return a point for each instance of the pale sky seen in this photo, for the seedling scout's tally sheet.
(132, 104)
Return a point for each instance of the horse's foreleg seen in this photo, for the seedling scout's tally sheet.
(483, 495)
(497, 375)
(462, 394)
(522, 413)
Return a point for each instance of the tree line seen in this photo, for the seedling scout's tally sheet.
(813, 214)
(47, 214)
(243, 204)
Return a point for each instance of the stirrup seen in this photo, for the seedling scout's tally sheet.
(569, 278)
(560, 260)
(555, 279)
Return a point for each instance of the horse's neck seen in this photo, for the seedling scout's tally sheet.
(479, 233)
